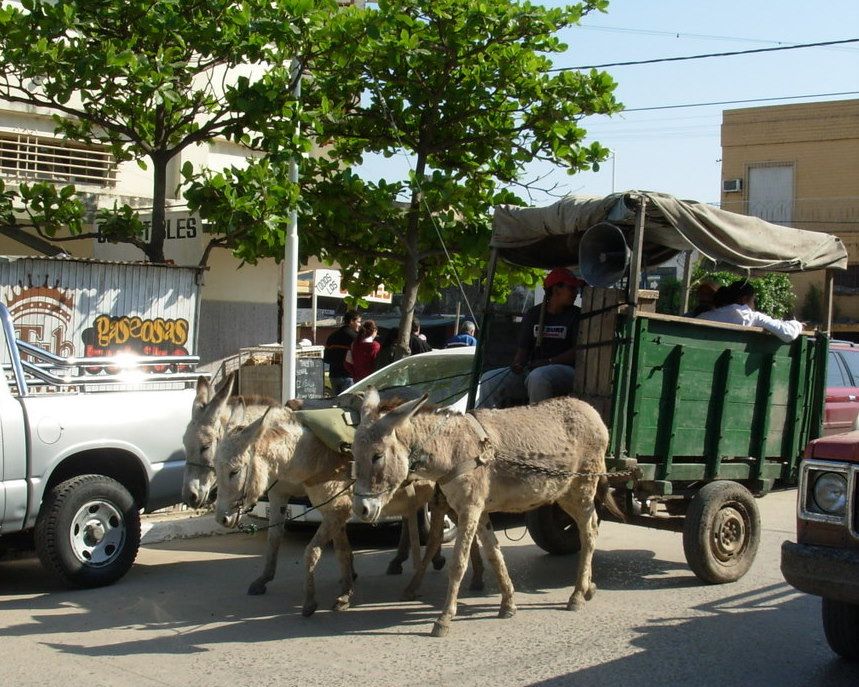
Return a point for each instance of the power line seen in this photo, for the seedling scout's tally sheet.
(737, 102)
(701, 57)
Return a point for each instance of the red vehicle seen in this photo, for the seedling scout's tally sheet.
(842, 388)
(825, 558)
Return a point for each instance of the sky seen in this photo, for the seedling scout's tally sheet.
(677, 150)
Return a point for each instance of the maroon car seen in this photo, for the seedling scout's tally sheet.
(825, 558)
(842, 388)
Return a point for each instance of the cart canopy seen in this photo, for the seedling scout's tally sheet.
(549, 236)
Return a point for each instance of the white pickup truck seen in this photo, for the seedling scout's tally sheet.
(81, 454)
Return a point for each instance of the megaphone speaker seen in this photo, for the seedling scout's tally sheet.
(603, 255)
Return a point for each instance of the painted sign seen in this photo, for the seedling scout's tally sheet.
(183, 243)
(88, 308)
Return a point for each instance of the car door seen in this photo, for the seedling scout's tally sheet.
(850, 358)
(842, 400)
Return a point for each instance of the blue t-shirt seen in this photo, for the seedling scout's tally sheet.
(461, 340)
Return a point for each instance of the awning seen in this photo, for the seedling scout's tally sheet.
(549, 236)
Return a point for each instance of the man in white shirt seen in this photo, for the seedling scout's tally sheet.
(742, 311)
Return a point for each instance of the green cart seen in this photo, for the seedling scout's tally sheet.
(703, 416)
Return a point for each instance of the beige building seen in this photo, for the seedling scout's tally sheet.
(798, 165)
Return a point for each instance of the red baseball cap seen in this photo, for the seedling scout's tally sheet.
(561, 275)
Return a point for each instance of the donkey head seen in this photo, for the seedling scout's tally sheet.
(201, 441)
(381, 455)
(241, 471)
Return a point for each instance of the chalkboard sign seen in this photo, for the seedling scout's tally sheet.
(309, 382)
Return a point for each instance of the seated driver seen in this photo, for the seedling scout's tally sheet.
(547, 339)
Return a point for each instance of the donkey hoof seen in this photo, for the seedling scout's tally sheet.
(507, 611)
(591, 591)
(440, 629)
(575, 604)
(342, 604)
(408, 595)
(309, 609)
(438, 563)
(394, 568)
(256, 588)
(477, 585)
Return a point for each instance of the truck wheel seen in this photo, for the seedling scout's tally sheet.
(841, 627)
(721, 532)
(553, 530)
(88, 531)
(448, 534)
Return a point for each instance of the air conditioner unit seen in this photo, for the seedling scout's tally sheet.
(732, 185)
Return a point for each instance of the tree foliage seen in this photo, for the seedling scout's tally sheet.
(466, 92)
(149, 78)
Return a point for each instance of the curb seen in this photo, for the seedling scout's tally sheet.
(155, 529)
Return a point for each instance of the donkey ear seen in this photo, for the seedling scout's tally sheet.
(237, 417)
(220, 399)
(204, 391)
(370, 405)
(403, 412)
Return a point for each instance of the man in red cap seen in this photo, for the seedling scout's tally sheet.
(547, 339)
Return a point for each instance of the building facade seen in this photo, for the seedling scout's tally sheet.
(798, 165)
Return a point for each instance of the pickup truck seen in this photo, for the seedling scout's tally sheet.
(82, 454)
(824, 560)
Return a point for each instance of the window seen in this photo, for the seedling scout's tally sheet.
(38, 158)
(834, 373)
(852, 360)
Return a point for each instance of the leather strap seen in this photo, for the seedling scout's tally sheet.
(472, 464)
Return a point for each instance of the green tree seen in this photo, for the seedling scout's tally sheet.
(467, 92)
(150, 78)
(774, 293)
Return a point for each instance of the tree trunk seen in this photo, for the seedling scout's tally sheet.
(158, 231)
(412, 278)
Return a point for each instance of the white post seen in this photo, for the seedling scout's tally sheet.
(612, 171)
(313, 303)
(290, 276)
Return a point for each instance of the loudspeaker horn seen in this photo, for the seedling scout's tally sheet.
(603, 255)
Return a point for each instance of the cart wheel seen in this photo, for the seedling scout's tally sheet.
(721, 532)
(88, 531)
(553, 530)
(841, 627)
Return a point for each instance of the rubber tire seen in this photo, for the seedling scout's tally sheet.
(53, 526)
(424, 527)
(553, 530)
(704, 507)
(841, 627)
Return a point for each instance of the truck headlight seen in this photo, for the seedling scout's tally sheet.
(830, 493)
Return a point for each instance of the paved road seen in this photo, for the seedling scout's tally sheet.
(181, 617)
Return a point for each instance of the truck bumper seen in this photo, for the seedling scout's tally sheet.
(822, 571)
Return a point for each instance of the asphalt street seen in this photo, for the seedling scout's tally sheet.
(182, 617)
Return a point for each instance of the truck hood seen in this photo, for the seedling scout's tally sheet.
(842, 447)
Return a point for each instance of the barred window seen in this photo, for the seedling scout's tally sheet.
(40, 158)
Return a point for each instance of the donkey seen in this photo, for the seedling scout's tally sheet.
(209, 417)
(511, 460)
(251, 460)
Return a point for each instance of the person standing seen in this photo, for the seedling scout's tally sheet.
(417, 341)
(547, 339)
(361, 359)
(337, 346)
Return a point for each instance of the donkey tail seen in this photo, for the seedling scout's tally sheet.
(604, 497)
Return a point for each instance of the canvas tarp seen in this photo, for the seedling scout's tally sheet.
(549, 236)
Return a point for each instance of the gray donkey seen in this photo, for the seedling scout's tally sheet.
(511, 460)
(253, 459)
(209, 416)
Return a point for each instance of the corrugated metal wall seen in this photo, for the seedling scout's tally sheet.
(85, 307)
